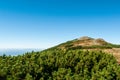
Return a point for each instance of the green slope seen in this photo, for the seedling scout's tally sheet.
(60, 65)
(81, 44)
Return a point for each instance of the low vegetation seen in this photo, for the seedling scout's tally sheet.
(56, 64)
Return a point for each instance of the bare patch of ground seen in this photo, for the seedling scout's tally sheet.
(115, 52)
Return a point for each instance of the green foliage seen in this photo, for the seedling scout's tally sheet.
(57, 64)
(113, 45)
(90, 47)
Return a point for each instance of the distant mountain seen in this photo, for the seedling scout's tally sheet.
(15, 52)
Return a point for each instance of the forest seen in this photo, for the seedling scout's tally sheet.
(58, 64)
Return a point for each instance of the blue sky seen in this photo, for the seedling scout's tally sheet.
(45, 23)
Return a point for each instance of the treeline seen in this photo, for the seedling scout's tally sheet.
(56, 64)
(89, 47)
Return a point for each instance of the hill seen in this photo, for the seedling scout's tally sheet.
(91, 44)
(88, 43)
(77, 59)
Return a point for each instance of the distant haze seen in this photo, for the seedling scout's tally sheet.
(15, 52)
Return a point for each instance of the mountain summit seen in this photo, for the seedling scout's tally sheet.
(85, 38)
(86, 42)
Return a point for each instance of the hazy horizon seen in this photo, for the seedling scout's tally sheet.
(46, 23)
(17, 51)
(21, 48)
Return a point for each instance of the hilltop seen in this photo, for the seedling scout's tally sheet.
(88, 43)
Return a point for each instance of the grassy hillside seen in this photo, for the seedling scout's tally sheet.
(87, 43)
(67, 61)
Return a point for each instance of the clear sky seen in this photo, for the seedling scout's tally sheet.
(45, 23)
